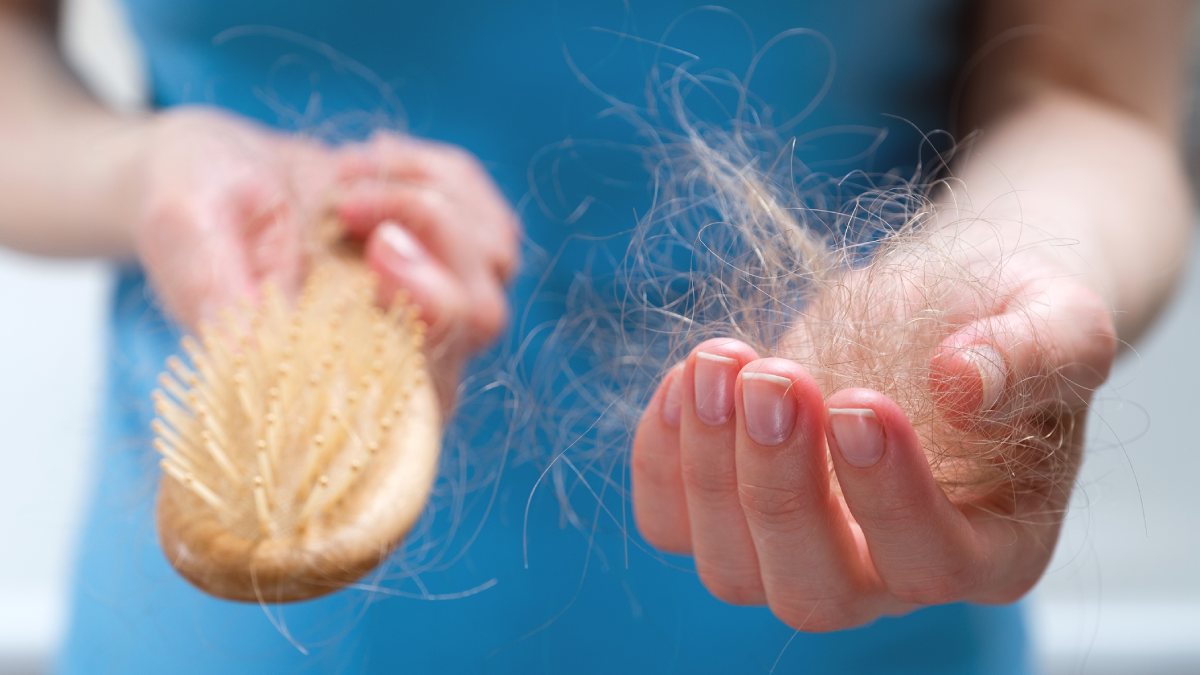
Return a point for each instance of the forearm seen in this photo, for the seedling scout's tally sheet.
(1078, 105)
(1096, 189)
(67, 178)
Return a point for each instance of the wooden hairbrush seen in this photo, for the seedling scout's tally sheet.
(300, 443)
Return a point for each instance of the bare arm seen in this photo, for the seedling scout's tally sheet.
(1065, 224)
(67, 171)
(1080, 107)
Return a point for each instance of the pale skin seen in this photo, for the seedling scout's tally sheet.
(213, 205)
(1080, 129)
(1079, 146)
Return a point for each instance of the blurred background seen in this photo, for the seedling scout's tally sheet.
(1122, 595)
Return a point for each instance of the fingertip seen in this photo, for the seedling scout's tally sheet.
(865, 426)
(710, 377)
(402, 263)
(788, 369)
(659, 504)
(356, 209)
(670, 397)
(778, 396)
(967, 379)
(394, 251)
(723, 348)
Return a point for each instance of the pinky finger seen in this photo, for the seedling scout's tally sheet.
(659, 503)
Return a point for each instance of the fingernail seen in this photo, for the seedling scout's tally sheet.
(858, 435)
(401, 242)
(714, 387)
(672, 404)
(992, 373)
(770, 410)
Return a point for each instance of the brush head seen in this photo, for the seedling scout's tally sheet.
(299, 444)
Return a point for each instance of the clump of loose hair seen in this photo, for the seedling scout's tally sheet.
(840, 274)
(861, 296)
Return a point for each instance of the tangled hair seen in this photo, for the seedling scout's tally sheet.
(840, 274)
(744, 241)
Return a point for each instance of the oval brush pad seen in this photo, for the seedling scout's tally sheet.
(299, 443)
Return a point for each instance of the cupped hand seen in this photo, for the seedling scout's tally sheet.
(823, 504)
(228, 205)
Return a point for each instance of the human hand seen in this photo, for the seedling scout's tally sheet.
(227, 205)
(796, 488)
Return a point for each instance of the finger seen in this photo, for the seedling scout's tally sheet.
(385, 156)
(394, 158)
(1018, 547)
(811, 568)
(659, 504)
(471, 243)
(924, 549)
(403, 264)
(725, 556)
(363, 205)
(196, 268)
(397, 157)
(406, 159)
(1054, 343)
(421, 257)
(271, 235)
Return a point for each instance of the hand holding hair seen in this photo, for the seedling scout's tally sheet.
(919, 443)
(797, 485)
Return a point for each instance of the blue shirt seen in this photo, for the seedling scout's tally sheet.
(500, 577)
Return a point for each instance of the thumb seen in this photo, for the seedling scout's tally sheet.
(405, 266)
(195, 268)
(1053, 343)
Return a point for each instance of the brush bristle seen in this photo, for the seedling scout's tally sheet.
(280, 423)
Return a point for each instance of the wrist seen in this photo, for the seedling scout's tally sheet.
(116, 161)
(1024, 234)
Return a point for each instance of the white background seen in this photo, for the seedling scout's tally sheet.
(1123, 593)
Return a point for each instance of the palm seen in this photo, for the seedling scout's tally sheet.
(950, 414)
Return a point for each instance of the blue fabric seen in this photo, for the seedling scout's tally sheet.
(506, 80)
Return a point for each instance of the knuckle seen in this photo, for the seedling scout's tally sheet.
(435, 204)
(652, 468)
(451, 162)
(386, 141)
(733, 587)
(660, 534)
(489, 319)
(893, 520)
(505, 257)
(458, 159)
(510, 236)
(1010, 593)
(774, 507)
(511, 224)
(506, 266)
(662, 540)
(814, 622)
(820, 615)
(938, 585)
(1101, 344)
(161, 211)
(708, 483)
(461, 158)
(1080, 339)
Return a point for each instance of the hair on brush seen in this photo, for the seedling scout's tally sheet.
(299, 443)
